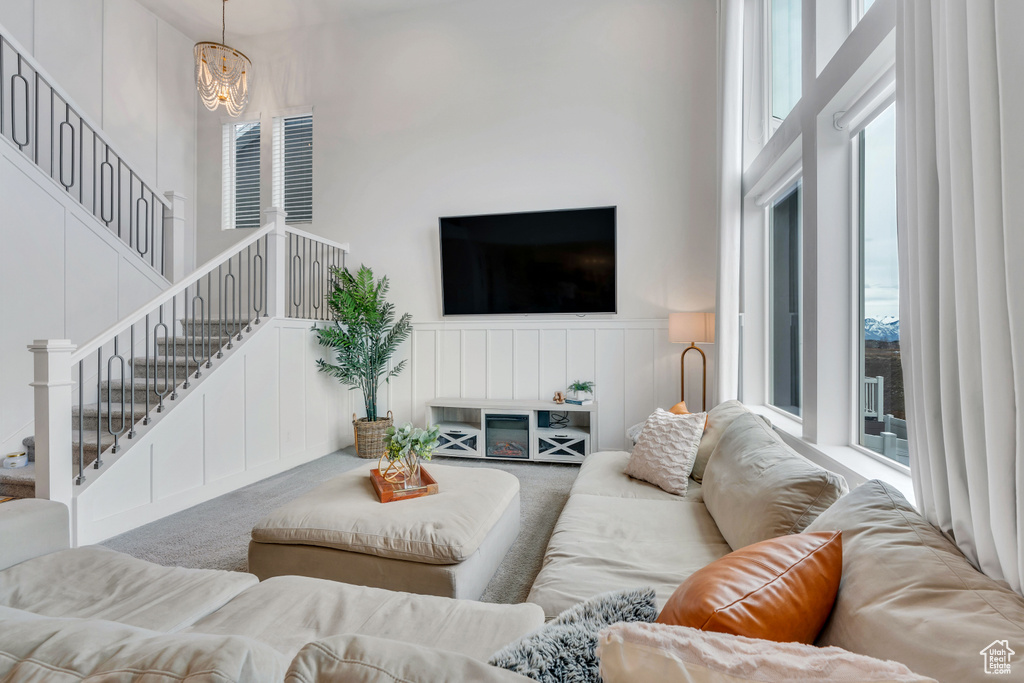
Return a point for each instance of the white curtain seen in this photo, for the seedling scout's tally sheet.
(730, 200)
(960, 70)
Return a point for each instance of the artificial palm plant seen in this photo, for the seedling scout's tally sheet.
(364, 337)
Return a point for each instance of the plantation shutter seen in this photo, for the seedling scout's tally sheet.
(293, 167)
(241, 175)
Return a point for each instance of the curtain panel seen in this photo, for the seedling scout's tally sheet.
(961, 231)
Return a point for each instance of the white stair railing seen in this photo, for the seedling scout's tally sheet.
(39, 118)
(142, 364)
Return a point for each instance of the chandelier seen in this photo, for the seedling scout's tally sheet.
(222, 74)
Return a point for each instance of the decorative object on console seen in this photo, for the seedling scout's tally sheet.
(222, 73)
(559, 397)
(692, 328)
(666, 450)
(781, 589)
(364, 337)
(582, 393)
(563, 650)
(677, 654)
(404, 447)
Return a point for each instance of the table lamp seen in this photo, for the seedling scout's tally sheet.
(693, 328)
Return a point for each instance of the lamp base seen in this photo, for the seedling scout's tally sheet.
(682, 375)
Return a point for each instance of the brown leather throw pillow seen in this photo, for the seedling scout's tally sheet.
(781, 589)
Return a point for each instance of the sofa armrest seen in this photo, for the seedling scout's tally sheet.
(31, 527)
(357, 658)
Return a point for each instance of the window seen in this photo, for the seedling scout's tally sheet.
(293, 167)
(785, 294)
(785, 40)
(883, 426)
(241, 175)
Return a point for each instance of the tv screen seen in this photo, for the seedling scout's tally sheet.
(540, 262)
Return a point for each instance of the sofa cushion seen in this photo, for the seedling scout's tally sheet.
(756, 487)
(780, 589)
(603, 543)
(604, 474)
(664, 454)
(289, 611)
(38, 649)
(357, 658)
(93, 582)
(719, 419)
(909, 594)
(675, 654)
(345, 514)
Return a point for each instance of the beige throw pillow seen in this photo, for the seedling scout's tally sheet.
(678, 654)
(666, 450)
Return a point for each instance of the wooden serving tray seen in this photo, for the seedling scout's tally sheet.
(388, 492)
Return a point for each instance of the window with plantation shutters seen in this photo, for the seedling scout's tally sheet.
(293, 167)
(241, 175)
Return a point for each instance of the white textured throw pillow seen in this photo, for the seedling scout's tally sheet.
(677, 654)
(667, 448)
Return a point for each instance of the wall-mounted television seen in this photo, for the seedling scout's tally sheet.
(536, 262)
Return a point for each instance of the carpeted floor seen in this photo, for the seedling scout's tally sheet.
(215, 534)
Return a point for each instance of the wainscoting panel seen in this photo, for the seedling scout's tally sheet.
(635, 367)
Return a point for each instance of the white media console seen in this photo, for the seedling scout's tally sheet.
(542, 431)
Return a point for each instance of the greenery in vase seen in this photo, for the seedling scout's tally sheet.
(364, 336)
(579, 387)
(407, 440)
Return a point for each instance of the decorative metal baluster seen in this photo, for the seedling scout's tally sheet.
(186, 325)
(131, 352)
(220, 309)
(174, 346)
(35, 127)
(208, 330)
(238, 321)
(110, 406)
(119, 223)
(228, 297)
(145, 420)
(81, 154)
(99, 403)
(19, 78)
(51, 127)
(266, 309)
(258, 271)
(197, 298)
(315, 270)
(249, 285)
(167, 363)
(151, 217)
(2, 41)
(66, 122)
(104, 187)
(80, 479)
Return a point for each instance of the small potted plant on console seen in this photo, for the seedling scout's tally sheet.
(580, 393)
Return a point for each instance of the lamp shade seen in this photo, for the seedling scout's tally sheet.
(684, 328)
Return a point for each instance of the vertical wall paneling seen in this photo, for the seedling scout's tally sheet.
(178, 460)
(225, 436)
(293, 417)
(610, 379)
(474, 364)
(317, 395)
(450, 368)
(640, 391)
(262, 407)
(580, 357)
(424, 365)
(527, 363)
(553, 374)
(500, 363)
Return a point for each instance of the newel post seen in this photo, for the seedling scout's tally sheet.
(53, 391)
(277, 266)
(174, 237)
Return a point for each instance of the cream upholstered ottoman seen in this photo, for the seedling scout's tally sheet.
(446, 544)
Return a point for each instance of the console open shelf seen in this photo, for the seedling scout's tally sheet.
(541, 431)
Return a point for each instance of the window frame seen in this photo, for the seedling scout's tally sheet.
(277, 175)
(229, 218)
(830, 313)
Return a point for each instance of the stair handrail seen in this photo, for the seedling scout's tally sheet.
(7, 36)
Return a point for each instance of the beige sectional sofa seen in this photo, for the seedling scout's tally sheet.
(908, 594)
(66, 614)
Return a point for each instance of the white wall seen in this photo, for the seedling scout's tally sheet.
(492, 107)
(65, 276)
(264, 410)
(129, 72)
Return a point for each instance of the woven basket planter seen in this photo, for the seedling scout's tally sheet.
(370, 435)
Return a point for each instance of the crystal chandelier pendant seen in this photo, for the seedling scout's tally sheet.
(222, 74)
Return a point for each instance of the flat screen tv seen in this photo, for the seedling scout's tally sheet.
(538, 262)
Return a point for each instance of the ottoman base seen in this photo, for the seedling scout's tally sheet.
(465, 580)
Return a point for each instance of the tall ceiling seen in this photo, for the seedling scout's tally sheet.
(200, 19)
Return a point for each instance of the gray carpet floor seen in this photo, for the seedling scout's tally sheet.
(215, 534)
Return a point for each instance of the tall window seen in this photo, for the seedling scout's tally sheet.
(883, 426)
(785, 43)
(241, 175)
(785, 294)
(293, 167)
